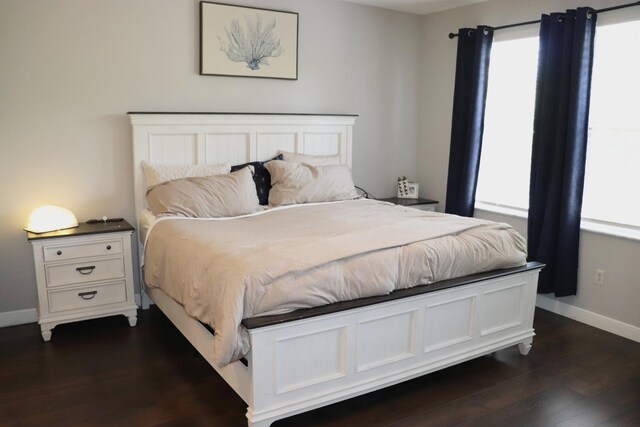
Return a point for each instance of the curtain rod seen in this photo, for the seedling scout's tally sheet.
(520, 24)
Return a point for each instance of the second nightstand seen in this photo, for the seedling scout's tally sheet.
(422, 204)
(83, 273)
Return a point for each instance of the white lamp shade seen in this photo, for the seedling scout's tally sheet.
(50, 218)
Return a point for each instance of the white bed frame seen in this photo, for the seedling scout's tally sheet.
(304, 364)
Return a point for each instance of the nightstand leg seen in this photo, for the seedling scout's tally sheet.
(46, 332)
(133, 320)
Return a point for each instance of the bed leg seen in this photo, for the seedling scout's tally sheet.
(524, 347)
(262, 423)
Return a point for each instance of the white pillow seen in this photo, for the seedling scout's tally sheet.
(155, 174)
(293, 183)
(333, 159)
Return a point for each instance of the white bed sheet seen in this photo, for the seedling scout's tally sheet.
(146, 220)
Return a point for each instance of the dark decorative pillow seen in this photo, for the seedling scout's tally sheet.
(261, 177)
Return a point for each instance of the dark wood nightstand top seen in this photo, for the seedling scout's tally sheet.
(84, 229)
(409, 202)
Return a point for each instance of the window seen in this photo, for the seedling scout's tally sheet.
(505, 163)
(612, 181)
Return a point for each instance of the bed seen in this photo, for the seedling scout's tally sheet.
(313, 357)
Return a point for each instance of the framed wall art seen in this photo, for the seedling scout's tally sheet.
(248, 42)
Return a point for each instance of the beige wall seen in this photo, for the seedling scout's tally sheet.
(71, 69)
(620, 295)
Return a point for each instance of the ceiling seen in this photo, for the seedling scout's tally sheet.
(420, 7)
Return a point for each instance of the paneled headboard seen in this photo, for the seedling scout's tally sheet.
(197, 138)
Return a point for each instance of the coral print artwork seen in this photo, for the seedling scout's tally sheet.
(254, 44)
(248, 42)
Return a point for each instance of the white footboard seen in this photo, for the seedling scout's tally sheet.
(301, 365)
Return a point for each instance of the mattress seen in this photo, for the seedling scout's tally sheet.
(283, 259)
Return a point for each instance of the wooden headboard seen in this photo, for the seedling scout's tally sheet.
(197, 138)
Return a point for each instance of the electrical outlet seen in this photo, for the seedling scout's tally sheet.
(599, 280)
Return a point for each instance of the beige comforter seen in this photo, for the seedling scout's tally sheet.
(223, 271)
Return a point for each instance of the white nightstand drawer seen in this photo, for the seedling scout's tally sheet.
(85, 271)
(81, 250)
(88, 296)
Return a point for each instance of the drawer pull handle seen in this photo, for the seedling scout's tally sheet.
(59, 252)
(108, 247)
(86, 270)
(88, 295)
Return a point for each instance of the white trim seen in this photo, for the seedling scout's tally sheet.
(589, 318)
(501, 209)
(623, 231)
(18, 317)
(629, 232)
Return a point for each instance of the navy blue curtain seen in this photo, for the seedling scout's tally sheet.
(559, 146)
(472, 72)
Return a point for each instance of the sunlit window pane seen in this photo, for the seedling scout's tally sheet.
(612, 181)
(508, 127)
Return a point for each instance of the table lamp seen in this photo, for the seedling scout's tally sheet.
(50, 218)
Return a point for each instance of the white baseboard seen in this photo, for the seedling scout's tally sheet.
(588, 317)
(18, 317)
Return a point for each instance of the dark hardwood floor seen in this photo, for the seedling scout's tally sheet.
(101, 372)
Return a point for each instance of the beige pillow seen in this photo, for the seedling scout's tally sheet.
(157, 174)
(214, 196)
(293, 183)
(333, 159)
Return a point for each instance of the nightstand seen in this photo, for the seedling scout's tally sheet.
(83, 273)
(422, 204)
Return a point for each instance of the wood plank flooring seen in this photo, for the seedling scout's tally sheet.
(103, 373)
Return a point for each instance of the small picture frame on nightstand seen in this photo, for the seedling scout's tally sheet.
(409, 190)
(412, 190)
